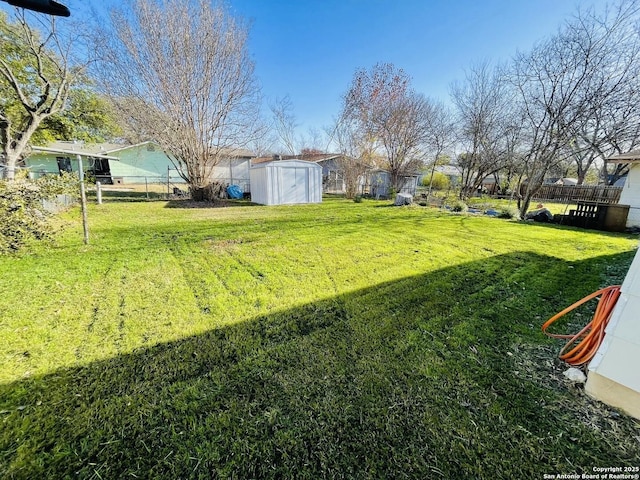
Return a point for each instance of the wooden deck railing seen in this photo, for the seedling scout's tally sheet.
(579, 193)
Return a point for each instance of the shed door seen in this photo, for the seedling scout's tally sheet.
(295, 185)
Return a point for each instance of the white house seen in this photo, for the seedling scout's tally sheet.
(285, 182)
(613, 371)
(631, 190)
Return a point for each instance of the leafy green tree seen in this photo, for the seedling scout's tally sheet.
(88, 117)
(436, 181)
(37, 73)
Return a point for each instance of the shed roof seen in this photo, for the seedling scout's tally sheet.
(309, 157)
(287, 163)
(629, 157)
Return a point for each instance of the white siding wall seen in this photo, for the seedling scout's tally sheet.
(631, 195)
(233, 171)
(286, 182)
(259, 179)
(618, 357)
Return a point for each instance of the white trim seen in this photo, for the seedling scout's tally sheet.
(72, 152)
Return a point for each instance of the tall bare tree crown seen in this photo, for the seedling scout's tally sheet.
(181, 73)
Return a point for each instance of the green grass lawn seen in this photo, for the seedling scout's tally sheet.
(340, 340)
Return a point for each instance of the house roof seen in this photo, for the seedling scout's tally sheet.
(308, 157)
(405, 175)
(450, 170)
(111, 148)
(629, 157)
(85, 148)
(560, 181)
(62, 151)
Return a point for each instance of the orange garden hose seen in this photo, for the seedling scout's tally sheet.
(588, 339)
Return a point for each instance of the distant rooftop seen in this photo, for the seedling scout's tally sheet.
(109, 148)
(309, 157)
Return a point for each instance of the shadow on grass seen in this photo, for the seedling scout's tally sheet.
(124, 196)
(127, 196)
(562, 226)
(411, 378)
(222, 203)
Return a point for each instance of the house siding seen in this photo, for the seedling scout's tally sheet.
(234, 171)
(631, 195)
(139, 164)
(45, 164)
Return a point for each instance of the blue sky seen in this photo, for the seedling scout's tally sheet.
(310, 49)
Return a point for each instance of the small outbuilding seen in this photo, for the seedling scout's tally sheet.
(286, 182)
(379, 182)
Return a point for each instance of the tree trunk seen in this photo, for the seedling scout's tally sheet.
(530, 191)
(208, 193)
(11, 161)
(395, 177)
(433, 169)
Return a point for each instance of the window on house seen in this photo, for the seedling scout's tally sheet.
(64, 164)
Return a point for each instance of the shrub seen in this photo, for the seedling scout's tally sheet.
(459, 206)
(357, 199)
(509, 212)
(22, 212)
(440, 181)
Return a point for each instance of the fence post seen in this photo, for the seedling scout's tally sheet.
(99, 192)
(83, 201)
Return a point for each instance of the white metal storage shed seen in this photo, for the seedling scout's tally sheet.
(286, 181)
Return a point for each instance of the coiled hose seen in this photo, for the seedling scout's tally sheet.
(588, 340)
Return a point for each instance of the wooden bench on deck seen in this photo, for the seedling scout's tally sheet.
(598, 216)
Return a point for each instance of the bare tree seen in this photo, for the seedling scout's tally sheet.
(487, 126)
(613, 128)
(390, 113)
(441, 135)
(567, 81)
(37, 70)
(181, 74)
(356, 152)
(315, 140)
(285, 125)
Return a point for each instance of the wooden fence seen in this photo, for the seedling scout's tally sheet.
(579, 193)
